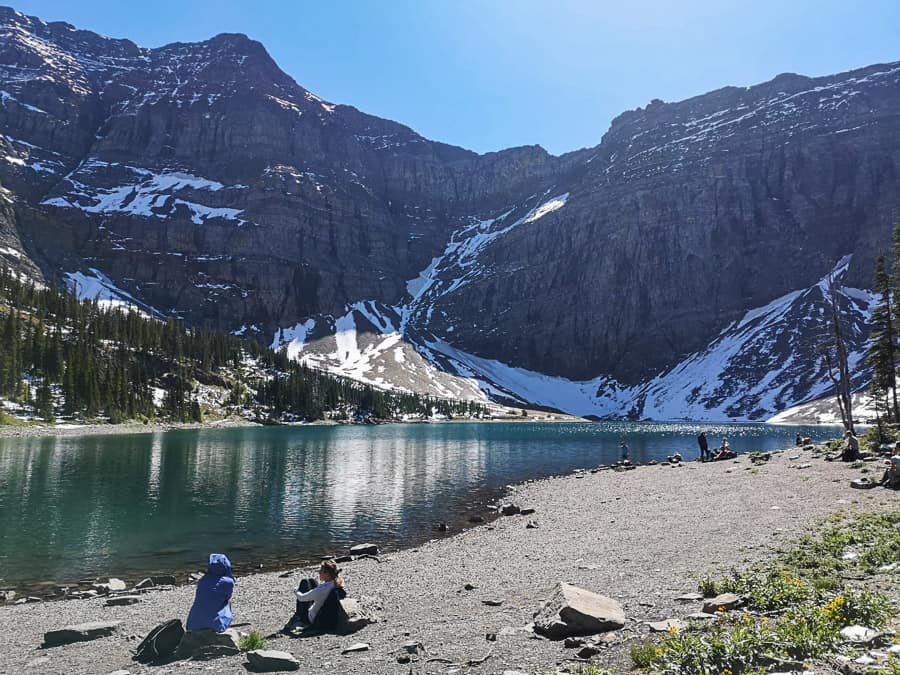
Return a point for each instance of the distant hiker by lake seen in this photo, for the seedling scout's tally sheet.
(725, 451)
(625, 455)
(705, 454)
(850, 453)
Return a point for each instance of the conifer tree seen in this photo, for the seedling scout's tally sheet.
(882, 355)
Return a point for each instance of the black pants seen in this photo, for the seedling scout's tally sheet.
(302, 612)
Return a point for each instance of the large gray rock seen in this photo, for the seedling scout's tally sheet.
(208, 644)
(364, 549)
(358, 615)
(576, 611)
(271, 661)
(721, 603)
(82, 632)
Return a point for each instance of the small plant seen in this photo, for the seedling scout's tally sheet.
(253, 640)
(708, 587)
(592, 670)
(645, 654)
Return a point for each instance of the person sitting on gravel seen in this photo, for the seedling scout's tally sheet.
(850, 453)
(891, 478)
(211, 609)
(725, 451)
(319, 603)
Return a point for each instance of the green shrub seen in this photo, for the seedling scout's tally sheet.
(644, 655)
(253, 640)
(708, 587)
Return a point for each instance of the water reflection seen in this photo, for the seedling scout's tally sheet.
(131, 505)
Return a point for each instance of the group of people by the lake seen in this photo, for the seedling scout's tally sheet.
(318, 609)
(708, 454)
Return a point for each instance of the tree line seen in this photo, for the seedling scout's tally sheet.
(85, 360)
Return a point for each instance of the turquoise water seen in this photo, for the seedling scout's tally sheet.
(131, 505)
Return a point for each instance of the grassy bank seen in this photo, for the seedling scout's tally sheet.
(795, 606)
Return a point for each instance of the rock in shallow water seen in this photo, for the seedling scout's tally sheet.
(576, 611)
(364, 549)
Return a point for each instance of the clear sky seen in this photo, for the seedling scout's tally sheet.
(490, 74)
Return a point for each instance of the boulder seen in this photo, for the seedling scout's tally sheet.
(364, 549)
(111, 586)
(588, 652)
(82, 632)
(526, 511)
(576, 611)
(476, 519)
(510, 509)
(863, 484)
(145, 583)
(665, 625)
(164, 580)
(271, 661)
(721, 603)
(531, 525)
(859, 634)
(208, 644)
(689, 597)
(83, 595)
(121, 600)
(7, 596)
(358, 615)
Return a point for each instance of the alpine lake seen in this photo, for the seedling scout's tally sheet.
(131, 506)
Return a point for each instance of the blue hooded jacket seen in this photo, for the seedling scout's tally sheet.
(211, 609)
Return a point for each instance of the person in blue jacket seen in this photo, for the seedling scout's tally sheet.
(211, 610)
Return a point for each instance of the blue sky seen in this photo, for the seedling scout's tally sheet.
(490, 74)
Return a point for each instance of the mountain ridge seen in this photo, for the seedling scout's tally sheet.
(208, 184)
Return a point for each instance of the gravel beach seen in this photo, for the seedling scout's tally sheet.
(642, 537)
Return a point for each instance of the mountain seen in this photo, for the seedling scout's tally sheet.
(199, 181)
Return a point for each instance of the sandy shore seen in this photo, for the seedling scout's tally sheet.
(642, 537)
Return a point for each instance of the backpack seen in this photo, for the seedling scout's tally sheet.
(160, 642)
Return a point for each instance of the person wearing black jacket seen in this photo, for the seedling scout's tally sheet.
(705, 454)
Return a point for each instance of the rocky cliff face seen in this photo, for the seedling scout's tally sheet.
(204, 183)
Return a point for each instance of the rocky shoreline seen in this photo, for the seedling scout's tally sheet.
(641, 537)
(42, 430)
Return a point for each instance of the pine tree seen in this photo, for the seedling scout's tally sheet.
(882, 354)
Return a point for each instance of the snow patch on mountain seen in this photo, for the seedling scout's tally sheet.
(147, 193)
(764, 362)
(458, 264)
(98, 287)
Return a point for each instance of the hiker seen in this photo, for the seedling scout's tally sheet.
(725, 451)
(624, 446)
(319, 602)
(705, 454)
(211, 609)
(891, 478)
(850, 453)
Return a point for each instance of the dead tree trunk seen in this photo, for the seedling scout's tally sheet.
(843, 367)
